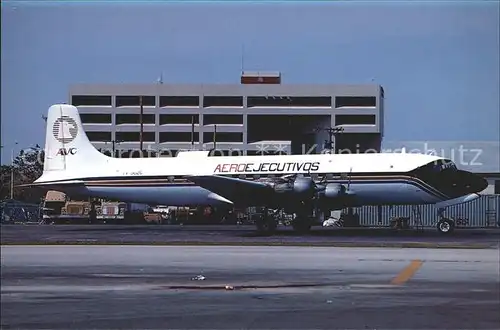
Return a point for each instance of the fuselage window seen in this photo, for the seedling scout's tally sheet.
(439, 167)
(432, 172)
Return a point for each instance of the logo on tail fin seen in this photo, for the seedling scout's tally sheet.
(65, 129)
(66, 152)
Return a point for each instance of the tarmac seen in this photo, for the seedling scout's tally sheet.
(250, 287)
(242, 235)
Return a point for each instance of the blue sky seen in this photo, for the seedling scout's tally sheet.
(438, 62)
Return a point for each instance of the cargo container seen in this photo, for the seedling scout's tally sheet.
(111, 211)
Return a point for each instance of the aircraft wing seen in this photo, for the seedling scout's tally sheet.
(239, 191)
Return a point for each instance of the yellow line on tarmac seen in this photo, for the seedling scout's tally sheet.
(407, 273)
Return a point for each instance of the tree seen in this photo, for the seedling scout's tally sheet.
(5, 173)
(27, 167)
(29, 164)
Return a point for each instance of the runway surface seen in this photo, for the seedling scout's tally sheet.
(138, 287)
(240, 235)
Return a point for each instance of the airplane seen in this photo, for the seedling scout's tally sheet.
(298, 184)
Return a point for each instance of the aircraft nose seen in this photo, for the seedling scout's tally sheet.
(479, 183)
(472, 183)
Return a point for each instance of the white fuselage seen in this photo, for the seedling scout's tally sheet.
(146, 180)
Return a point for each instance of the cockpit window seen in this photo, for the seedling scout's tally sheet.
(435, 169)
(445, 165)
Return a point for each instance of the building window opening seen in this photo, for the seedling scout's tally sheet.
(179, 101)
(259, 153)
(99, 136)
(178, 119)
(168, 153)
(355, 101)
(222, 101)
(135, 136)
(225, 153)
(106, 152)
(95, 118)
(136, 153)
(178, 137)
(91, 100)
(209, 137)
(132, 118)
(222, 119)
(355, 120)
(135, 101)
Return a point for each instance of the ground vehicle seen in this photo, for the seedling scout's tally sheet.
(111, 211)
(53, 203)
(74, 211)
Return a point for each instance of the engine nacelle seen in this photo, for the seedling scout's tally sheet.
(304, 186)
(334, 190)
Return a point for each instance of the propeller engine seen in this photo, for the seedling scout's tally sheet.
(306, 190)
(304, 187)
(334, 190)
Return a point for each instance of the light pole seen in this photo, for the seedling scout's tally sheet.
(141, 120)
(329, 144)
(12, 173)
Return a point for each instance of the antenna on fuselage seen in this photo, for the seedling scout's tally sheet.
(349, 179)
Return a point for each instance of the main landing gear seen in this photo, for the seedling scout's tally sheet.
(267, 223)
(302, 223)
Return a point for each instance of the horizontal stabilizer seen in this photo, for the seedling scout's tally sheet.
(52, 185)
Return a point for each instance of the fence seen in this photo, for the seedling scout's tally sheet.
(20, 212)
(483, 212)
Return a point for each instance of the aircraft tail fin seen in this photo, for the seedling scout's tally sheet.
(67, 147)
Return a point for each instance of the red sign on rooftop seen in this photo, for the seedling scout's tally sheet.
(260, 78)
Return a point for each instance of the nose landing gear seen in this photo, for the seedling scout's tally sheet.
(444, 225)
(267, 222)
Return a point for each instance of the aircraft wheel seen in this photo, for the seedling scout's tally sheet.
(445, 226)
(266, 226)
(301, 226)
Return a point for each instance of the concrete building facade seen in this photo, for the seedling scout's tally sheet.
(258, 116)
